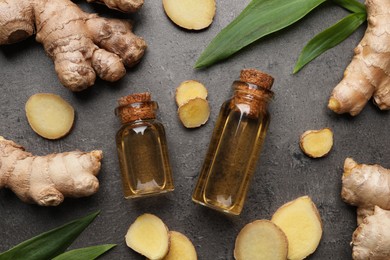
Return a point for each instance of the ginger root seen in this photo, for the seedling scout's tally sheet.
(49, 115)
(81, 45)
(365, 186)
(46, 180)
(317, 143)
(371, 240)
(149, 236)
(369, 72)
(126, 6)
(301, 222)
(190, 14)
(261, 239)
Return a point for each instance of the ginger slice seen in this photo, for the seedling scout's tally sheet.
(49, 115)
(261, 239)
(317, 143)
(301, 222)
(188, 90)
(194, 113)
(190, 14)
(149, 236)
(180, 247)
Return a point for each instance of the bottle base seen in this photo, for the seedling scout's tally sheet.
(148, 194)
(230, 211)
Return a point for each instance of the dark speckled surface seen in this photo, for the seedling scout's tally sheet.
(283, 173)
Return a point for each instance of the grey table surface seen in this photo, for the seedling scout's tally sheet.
(283, 172)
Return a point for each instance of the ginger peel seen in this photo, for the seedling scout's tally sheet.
(81, 45)
(368, 74)
(46, 180)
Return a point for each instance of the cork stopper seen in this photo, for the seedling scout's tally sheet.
(134, 98)
(257, 78)
(254, 90)
(136, 106)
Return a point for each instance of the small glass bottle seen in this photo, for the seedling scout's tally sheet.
(235, 144)
(142, 148)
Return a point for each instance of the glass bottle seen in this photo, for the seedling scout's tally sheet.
(142, 148)
(235, 144)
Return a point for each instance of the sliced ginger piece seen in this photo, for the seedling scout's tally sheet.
(194, 113)
(181, 248)
(149, 236)
(49, 115)
(317, 143)
(260, 240)
(301, 222)
(190, 14)
(188, 90)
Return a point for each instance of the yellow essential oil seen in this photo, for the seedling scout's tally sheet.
(235, 145)
(142, 148)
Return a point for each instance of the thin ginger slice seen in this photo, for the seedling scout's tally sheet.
(190, 14)
(49, 115)
(194, 113)
(260, 240)
(188, 90)
(149, 236)
(181, 248)
(317, 143)
(301, 222)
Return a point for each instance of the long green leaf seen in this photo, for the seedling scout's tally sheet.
(351, 5)
(329, 38)
(258, 19)
(87, 253)
(49, 244)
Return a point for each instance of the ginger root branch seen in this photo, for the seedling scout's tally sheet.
(371, 240)
(46, 180)
(368, 74)
(81, 45)
(365, 186)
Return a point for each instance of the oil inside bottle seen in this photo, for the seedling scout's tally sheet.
(235, 144)
(142, 151)
(231, 161)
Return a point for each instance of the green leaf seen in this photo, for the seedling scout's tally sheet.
(351, 5)
(87, 253)
(49, 244)
(329, 38)
(258, 19)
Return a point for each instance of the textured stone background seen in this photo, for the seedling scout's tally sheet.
(283, 172)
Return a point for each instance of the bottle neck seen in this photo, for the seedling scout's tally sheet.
(254, 98)
(137, 111)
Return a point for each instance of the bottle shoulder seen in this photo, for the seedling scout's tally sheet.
(141, 126)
